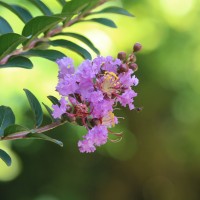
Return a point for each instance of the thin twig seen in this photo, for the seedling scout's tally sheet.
(23, 134)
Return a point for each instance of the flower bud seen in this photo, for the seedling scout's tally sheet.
(133, 66)
(123, 68)
(137, 47)
(66, 117)
(95, 122)
(121, 56)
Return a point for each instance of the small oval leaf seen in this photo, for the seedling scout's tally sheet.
(18, 61)
(14, 129)
(43, 137)
(82, 39)
(5, 157)
(4, 26)
(53, 100)
(35, 106)
(73, 47)
(74, 7)
(50, 112)
(42, 7)
(39, 25)
(7, 118)
(9, 42)
(21, 12)
(103, 21)
(49, 54)
(115, 10)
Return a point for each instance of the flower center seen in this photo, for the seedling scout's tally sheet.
(109, 120)
(110, 84)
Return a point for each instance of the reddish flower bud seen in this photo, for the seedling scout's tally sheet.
(133, 66)
(137, 47)
(123, 68)
(95, 122)
(121, 55)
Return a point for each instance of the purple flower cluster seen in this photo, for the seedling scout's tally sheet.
(89, 95)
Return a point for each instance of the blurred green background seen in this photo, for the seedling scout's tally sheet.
(159, 156)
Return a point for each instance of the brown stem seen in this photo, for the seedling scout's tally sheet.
(23, 134)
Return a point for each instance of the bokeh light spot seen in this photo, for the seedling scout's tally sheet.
(177, 7)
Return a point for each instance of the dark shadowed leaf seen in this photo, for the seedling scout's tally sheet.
(44, 137)
(54, 100)
(9, 42)
(39, 25)
(35, 106)
(4, 26)
(114, 9)
(13, 129)
(49, 111)
(7, 118)
(21, 12)
(5, 157)
(82, 39)
(103, 21)
(18, 61)
(42, 7)
(49, 54)
(73, 47)
(62, 2)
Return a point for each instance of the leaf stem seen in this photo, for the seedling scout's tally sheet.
(23, 134)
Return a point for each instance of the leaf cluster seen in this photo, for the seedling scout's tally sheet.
(39, 33)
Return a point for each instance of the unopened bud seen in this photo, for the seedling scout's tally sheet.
(121, 55)
(137, 47)
(66, 117)
(95, 122)
(123, 68)
(133, 66)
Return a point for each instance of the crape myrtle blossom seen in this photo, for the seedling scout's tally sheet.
(90, 94)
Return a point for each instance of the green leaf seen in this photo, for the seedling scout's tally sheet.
(9, 42)
(82, 39)
(4, 26)
(5, 157)
(74, 7)
(53, 100)
(7, 118)
(42, 7)
(49, 54)
(21, 12)
(73, 47)
(62, 2)
(49, 111)
(103, 21)
(44, 137)
(91, 4)
(12, 129)
(113, 9)
(35, 106)
(39, 25)
(18, 61)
